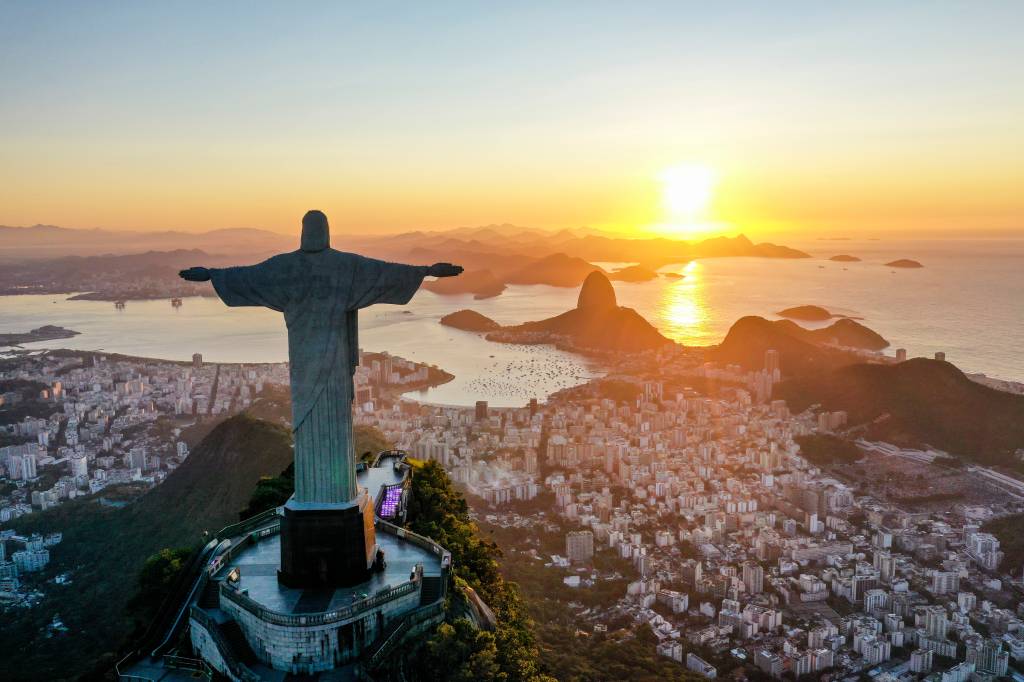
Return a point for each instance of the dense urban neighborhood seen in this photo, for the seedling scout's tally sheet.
(673, 499)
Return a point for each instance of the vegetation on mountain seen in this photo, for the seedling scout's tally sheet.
(904, 263)
(845, 258)
(918, 402)
(824, 449)
(457, 651)
(156, 578)
(1011, 540)
(104, 548)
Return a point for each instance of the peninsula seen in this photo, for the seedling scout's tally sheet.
(596, 324)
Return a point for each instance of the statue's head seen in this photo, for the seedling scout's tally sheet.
(316, 235)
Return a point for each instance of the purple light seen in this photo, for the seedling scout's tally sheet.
(392, 496)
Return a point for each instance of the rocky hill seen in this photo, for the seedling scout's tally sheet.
(596, 323)
(801, 351)
(916, 402)
(470, 321)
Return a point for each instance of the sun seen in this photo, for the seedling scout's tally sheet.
(686, 191)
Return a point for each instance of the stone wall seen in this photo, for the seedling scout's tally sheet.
(313, 648)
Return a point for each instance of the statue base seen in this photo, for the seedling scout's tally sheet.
(327, 545)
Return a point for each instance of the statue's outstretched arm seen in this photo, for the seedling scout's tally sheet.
(198, 274)
(444, 270)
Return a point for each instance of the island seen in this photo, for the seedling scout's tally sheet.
(45, 333)
(633, 273)
(470, 321)
(904, 263)
(845, 258)
(808, 313)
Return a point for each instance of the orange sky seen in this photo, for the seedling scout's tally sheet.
(822, 120)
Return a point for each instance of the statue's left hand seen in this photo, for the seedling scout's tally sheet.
(195, 274)
(444, 270)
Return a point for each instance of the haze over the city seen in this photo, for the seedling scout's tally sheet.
(673, 118)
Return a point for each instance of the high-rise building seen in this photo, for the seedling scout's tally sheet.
(988, 656)
(481, 410)
(935, 621)
(197, 360)
(901, 356)
(753, 577)
(771, 361)
(579, 546)
(79, 466)
(921, 661)
(945, 582)
(700, 666)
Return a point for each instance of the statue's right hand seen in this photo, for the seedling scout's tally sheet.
(195, 274)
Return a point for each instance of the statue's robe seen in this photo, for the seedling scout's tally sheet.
(319, 294)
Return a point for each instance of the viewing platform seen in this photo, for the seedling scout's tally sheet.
(246, 625)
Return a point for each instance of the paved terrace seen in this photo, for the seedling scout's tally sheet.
(259, 562)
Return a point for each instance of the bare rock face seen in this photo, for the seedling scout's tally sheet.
(597, 293)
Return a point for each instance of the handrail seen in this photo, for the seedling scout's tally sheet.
(312, 619)
(416, 539)
(414, 617)
(239, 528)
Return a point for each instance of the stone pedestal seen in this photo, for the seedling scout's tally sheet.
(327, 545)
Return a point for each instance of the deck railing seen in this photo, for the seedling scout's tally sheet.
(324, 618)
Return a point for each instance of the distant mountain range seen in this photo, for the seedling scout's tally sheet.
(49, 241)
(494, 256)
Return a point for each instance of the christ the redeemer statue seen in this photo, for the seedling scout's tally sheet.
(320, 290)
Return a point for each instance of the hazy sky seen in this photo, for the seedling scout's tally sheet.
(811, 116)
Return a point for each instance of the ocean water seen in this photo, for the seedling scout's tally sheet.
(967, 301)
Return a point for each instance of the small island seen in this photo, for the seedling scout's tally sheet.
(470, 321)
(808, 313)
(633, 273)
(845, 258)
(45, 333)
(904, 263)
